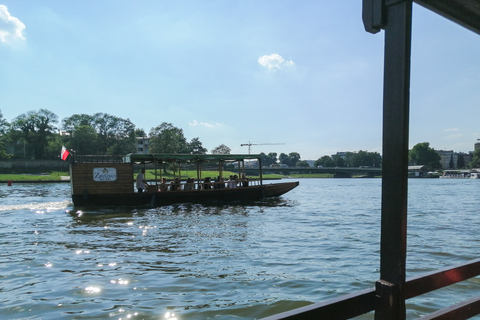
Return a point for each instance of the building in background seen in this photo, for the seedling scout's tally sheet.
(142, 144)
(450, 159)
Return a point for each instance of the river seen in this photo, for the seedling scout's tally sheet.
(184, 262)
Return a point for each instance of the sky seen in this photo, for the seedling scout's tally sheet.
(285, 76)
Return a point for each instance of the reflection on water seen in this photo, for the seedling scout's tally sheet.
(220, 261)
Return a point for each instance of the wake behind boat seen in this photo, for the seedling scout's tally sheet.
(105, 181)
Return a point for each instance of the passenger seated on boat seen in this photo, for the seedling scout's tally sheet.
(219, 184)
(207, 183)
(189, 185)
(175, 185)
(232, 183)
(163, 185)
(244, 180)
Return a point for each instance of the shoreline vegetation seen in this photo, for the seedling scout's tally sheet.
(59, 176)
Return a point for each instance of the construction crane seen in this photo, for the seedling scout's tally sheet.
(250, 144)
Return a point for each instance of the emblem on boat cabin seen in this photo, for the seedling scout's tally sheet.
(104, 174)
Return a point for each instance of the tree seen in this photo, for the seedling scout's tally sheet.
(460, 161)
(325, 161)
(451, 164)
(167, 138)
(283, 158)
(69, 124)
(302, 164)
(84, 140)
(221, 149)
(422, 154)
(363, 158)
(36, 129)
(268, 160)
(140, 133)
(114, 135)
(338, 161)
(195, 147)
(4, 139)
(475, 163)
(290, 160)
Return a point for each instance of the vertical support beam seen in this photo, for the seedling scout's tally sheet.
(260, 170)
(398, 24)
(220, 168)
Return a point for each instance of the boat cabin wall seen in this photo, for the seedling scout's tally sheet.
(101, 178)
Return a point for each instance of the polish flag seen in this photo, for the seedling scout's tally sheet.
(64, 154)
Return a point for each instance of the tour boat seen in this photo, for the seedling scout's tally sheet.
(455, 174)
(109, 181)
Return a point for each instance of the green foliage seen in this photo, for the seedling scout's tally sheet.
(195, 147)
(290, 160)
(475, 159)
(422, 154)
(221, 149)
(33, 130)
(268, 160)
(4, 138)
(84, 140)
(338, 161)
(351, 159)
(363, 159)
(302, 164)
(460, 162)
(167, 138)
(451, 164)
(325, 161)
(100, 133)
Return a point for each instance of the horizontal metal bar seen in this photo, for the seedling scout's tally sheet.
(344, 307)
(437, 279)
(459, 311)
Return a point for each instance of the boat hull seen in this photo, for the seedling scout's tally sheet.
(156, 199)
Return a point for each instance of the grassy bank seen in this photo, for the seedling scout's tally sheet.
(51, 176)
(311, 175)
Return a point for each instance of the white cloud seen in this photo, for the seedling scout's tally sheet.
(452, 133)
(195, 123)
(274, 61)
(11, 28)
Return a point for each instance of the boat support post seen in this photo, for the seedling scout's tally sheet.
(395, 17)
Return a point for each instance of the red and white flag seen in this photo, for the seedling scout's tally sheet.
(64, 154)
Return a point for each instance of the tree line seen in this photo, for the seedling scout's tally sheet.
(38, 134)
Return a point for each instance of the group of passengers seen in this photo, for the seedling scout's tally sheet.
(189, 185)
(206, 184)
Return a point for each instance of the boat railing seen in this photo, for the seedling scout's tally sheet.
(98, 159)
(200, 185)
(364, 301)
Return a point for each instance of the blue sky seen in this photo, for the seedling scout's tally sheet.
(301, 73)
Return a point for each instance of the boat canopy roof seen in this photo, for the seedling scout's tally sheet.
(186, 158)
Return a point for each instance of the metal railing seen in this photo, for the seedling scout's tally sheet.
(361, 302)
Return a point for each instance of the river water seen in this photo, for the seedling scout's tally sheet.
(182, 262)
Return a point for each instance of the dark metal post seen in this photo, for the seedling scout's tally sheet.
(391, 287)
